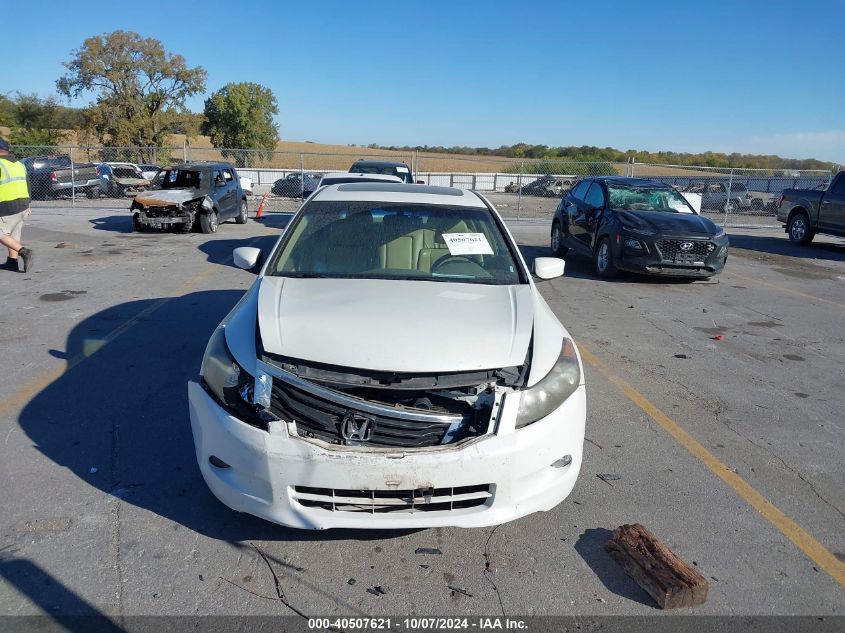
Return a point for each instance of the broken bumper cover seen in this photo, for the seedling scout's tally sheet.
(160, 221)
(303, 484)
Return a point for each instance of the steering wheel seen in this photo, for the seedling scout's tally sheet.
(451, 259)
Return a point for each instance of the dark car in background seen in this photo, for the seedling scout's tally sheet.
(201, 195)
(296, 185)
(805, 212)
(547, 186)
(637, 225)
(56, 175)
(388, 167)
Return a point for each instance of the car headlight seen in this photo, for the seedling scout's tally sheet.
(720, 232)
(547, 395)
(226, 380)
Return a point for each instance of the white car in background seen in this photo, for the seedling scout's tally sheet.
(392, 366)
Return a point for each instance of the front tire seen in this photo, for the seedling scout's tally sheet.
(558, 249)
(799, 230)
(137, 225)
(244, 213)
(605, 260)
(209, 222)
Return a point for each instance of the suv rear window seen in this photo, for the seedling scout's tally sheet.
(402, 171)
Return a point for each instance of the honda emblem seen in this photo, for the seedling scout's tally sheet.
(357, 428)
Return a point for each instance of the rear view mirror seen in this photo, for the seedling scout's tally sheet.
(246, 257)
(548, 267)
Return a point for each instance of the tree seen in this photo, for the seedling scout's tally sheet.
(139, 88)
(240, 115)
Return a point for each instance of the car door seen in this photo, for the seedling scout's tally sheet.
(587, 222)
(570, 208)
(832, 206)
(219, 193)
(231, 194)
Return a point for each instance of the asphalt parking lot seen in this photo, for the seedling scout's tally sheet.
(731, 450)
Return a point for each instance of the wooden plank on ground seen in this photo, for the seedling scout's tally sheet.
(655, 568)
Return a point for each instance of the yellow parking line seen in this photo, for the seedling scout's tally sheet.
(817, 552)
(797, 293)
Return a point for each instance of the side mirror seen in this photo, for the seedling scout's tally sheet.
(246, 257)
(548, 267)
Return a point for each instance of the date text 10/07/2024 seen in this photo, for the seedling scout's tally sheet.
(418, 624)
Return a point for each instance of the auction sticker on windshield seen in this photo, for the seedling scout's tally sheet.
(467, 244)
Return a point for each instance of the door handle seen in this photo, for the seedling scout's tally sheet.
(825, 201)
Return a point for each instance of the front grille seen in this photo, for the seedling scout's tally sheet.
(670, 249)
(387, 501)
(317, 416)
(161, 212)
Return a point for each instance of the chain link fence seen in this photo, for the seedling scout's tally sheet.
(108, 177)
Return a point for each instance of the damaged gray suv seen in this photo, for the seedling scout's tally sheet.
(183, 197)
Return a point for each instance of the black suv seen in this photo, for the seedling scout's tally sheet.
(637, 225)
(182, 197)
(389, 167)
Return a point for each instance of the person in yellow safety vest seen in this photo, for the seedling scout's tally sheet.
(14, 209)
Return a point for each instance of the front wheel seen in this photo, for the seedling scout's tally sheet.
(244, 212)
(605, 260)
(730, 207)
(799, 229)
(137, 225)
(209, 221)
(558, 249)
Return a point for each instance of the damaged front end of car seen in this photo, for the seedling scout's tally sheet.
(151, 212)
(342, 406)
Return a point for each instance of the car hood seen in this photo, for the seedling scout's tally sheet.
(168, 196)
(396, 325)
(663, 222)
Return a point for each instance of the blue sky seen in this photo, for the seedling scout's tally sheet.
(757, 77)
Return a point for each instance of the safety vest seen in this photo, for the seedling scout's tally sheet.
(12, 181)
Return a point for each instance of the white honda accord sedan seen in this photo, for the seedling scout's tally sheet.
(392, 366)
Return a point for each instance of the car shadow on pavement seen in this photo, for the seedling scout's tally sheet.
(114, 223)
(117, 418)
(53, 599)
(823, 250)
(275, 220)
(219, 251)
(590, 546)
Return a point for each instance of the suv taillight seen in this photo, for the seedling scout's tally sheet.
(780, 200)
(97, 169)
(53, 177)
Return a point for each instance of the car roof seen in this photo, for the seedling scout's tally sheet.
(398, 192)
(625, 180)
(202, 164)
(346, 174)
(380, 163)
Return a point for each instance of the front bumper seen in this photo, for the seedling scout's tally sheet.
(160, 219)
(268, 469)
(652, 261)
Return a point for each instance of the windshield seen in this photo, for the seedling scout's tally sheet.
(382, 240)
(629, 197)
(180, 179)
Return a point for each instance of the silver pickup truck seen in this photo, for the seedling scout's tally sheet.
(805, 212)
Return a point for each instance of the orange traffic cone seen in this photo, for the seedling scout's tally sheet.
(261, 205)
